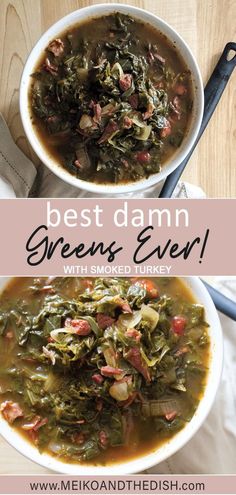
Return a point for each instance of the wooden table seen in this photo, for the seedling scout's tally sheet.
(206, 25)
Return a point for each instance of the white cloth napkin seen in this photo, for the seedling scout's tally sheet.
(20, 179)
(17, 173)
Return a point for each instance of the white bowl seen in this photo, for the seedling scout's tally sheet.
(198, 97)
(175, 443)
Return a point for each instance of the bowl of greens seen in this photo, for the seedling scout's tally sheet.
(106, 376)
(111, 99)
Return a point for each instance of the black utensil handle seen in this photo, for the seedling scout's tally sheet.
(217, 83)
(212, 94)
(222, 303)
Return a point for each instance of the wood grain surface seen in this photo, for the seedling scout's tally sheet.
(206, 25)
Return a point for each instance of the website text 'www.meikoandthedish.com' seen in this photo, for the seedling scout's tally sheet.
(92, 485)
(200, 484)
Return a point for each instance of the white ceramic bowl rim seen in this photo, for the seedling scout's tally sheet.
(198, 101)
(169, 448)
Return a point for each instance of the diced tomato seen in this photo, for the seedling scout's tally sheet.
(75, 322)
(104, 321)
(150, 287)
(143, 156)
(50, 340)
(125, 82)
(97, 378)
(178, 324)
(110, 371)
(82, 327)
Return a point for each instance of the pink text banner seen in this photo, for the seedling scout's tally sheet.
(127, 485)
(117, 237)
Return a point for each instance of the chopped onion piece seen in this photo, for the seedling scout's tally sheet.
(119, 391)
(110, 357)
(144, 133)
(54, 333)
(149, 314)
(130, 320)
(86, 121)
(117, 70)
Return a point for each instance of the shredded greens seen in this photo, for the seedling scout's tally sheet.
(89, 365)
(108, 102)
